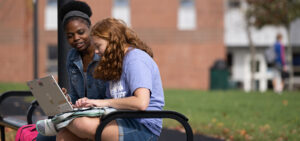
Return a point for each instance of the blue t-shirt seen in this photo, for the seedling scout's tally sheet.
(278, 51)
(140, 71)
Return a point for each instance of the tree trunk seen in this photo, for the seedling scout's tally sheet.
(252, 56)
(290, 61)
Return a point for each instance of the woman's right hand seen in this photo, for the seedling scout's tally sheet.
(64, 90)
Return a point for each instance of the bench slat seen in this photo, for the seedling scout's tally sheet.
(12, 122)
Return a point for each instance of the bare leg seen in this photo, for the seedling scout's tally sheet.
(282, 85)
(274, 84)
(66, 135)
(85, 127)
(110, 132)
(277, 82)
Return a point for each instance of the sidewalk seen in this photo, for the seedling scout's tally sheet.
(173, 135)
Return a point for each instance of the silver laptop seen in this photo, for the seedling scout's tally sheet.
(49, 95)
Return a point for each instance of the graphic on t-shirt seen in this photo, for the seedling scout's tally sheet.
(116, 89)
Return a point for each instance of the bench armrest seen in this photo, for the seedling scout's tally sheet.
(31, 108)
(10, 121)
(14, 93)
(145, 114)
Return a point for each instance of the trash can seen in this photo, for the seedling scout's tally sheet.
(219, 76)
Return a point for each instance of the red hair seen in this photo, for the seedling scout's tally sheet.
(119, 36)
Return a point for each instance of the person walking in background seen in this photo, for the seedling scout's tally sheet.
(280, 67)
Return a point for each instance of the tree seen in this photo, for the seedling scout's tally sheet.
(252, 52)
(278, 13)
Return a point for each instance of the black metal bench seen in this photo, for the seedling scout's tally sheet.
(145, 114)
(13, 121)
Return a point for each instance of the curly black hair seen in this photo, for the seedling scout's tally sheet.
(75, 5)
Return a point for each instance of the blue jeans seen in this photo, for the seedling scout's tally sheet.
(131, 130)
(45, 138)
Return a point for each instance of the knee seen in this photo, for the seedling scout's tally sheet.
(61, 135)
(81, 121)
(84, 127)
(66, 135)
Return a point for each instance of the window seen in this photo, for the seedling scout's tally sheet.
(186, 15)
(229, 62)
(51, 15)
(52, 59)
(234, 3)
(121, 10)
(256, 84)
(296, 64)
(257, 66)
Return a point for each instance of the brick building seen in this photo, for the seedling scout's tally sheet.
(185, 35)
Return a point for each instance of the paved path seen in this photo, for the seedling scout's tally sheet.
(173, 135)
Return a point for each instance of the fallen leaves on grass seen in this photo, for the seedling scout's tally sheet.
(243, 132)
(8, 129)
(213, 120)
(264, 128)
(282, 137)
(285, 102)
(294, 131)
(220, 124)
(226, 131)
(180, 129)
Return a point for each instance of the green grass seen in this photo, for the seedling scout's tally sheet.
(12, 86)
(237, 115)
(231, 115)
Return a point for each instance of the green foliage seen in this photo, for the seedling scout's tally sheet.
(273, 12)
(236, 115)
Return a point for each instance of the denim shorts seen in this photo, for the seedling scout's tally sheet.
(131, 130)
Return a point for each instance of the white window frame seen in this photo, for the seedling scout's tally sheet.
(51, 15)
(187, 17)
(121, 10)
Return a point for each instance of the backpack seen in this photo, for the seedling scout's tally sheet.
(27, 133)
(270, 55)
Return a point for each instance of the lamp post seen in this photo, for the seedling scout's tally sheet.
(63, 47)
(35, 39)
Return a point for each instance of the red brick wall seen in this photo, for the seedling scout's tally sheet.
(15, 41)
(184, 57)
(101, 9)
(154, 14)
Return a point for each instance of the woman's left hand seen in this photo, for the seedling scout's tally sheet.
(84, 102)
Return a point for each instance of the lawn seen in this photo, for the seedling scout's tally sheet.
(231, 115)
(12, 86)
(236, 115)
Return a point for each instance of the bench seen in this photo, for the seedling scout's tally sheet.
(145, 114)
(15, 123)
(12, 120)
